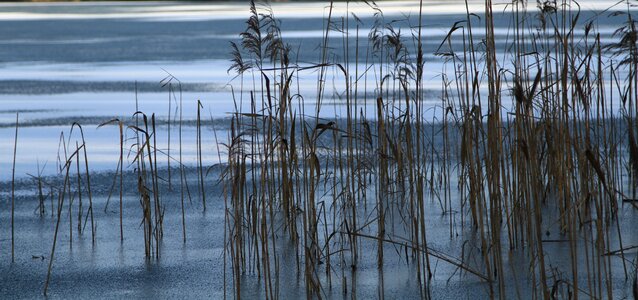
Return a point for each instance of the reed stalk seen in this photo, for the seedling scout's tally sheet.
(13, 178)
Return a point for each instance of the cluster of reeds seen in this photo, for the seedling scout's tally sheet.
(526, 142)
(144, 159)
(551, 163)
(66, 191)
(152, 208)
(316, 176)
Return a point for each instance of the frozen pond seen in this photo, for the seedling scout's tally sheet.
(89, 63)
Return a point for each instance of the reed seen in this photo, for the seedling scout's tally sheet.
(121, 160)
(170, 82)
(511, 189)
(200, 169)
(120, 166)
(13, 178)
(40, 189)
(66, 167)
(152, 209)
(79, 190)
(89, 214)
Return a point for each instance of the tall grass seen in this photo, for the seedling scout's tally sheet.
(550, 163)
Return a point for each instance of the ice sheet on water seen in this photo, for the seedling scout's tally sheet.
(189, 12)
